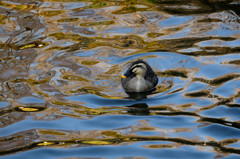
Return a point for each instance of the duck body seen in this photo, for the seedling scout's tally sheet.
(139, 77)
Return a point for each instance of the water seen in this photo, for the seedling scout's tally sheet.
(61, 63)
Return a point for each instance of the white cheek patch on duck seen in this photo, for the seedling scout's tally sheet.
(139, 69)
(135, 70)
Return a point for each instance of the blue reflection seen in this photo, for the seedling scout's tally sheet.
(223, 32)
(66, 123)
(118, 151)
(223, 112)
(120, 30)
(3, 104)
(86, 53)
(168, 122)
(26, 100)
(175, 20)
(219, 132)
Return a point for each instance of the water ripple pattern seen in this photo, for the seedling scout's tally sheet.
(60, 67)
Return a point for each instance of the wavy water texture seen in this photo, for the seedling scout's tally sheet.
(60, 68)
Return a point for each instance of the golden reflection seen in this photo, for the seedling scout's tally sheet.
(28, 109)
(219, 80)
(67, 20)
(90, 62)
(51, 13)
(46, 143)
(178, 73)
(112, 133)
(2, 19)
(7, 58)
(31, 81)
(32, 45)
(159, 146)
(236, 62)
(18, 7)
(134, 138)
(48, 132)
(76, 37)
(73, 77)
(50, 137)
(97, 23)
(155, 35)
(126, 10)
(202, 93)
(97, 142)
(99, 4)
(63, 103)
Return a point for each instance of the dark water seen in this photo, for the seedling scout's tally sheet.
(60, 68)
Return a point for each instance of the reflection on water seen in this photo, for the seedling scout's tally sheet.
(60, 68)
(139, 109)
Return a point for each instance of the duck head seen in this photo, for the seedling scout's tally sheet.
(137, 68)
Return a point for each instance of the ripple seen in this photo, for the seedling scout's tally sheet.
(60, 89)
(223, 131)
(27, 100)
(173, 21)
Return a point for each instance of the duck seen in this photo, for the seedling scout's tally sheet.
(139, 77)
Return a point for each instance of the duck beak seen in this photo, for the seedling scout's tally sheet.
(126, 74)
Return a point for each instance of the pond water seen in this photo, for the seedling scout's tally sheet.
(60, 68)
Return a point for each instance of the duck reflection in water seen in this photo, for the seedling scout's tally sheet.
(139, 95)
(139, 80)
(138, 109)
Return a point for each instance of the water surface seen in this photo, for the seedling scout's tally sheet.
(60, 69)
